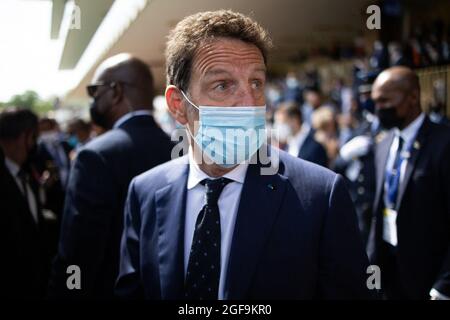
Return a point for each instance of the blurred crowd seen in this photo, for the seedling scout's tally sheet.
(337, 129)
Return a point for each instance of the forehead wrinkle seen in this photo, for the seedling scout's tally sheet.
(223, 65)
(228, 46)
(213, 55)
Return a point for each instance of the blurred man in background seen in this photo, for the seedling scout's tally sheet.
(410, 237)
(355, 160)
(23, 243)
(53, 164)
(313, 101)
(122, 93)
(298, 136)
(79, 133)
(53, 150)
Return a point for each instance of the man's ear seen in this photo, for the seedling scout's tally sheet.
(174, 100)
(117, 94)
(415, 97)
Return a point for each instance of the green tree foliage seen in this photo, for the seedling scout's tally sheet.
(29, 100)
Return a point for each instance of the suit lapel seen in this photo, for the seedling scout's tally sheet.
(410, 165)
(381, 156)
(261, 198)
(170, 209)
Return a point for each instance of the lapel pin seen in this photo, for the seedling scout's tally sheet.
(271, 186)
(416, 145)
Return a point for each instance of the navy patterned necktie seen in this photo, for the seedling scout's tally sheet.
(393, 176)
(203, 271)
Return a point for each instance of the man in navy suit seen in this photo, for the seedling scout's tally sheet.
(23, 237)
(122, 93)
(410, 234)
(299, 135)
(226, 229)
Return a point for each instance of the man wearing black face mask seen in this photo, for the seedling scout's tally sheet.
(122, 93)
(99, 112)
(410, 234)
(25, 262)
(389, 117)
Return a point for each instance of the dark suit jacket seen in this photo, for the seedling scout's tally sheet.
(25, 260)
(295, 237)
(313, 151)
(93, 213)
(423, 221)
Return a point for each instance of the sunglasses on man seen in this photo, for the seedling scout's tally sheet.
(92, 89)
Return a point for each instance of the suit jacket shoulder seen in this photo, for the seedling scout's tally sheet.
(160, 176)
(136, 132)
(305, 175)
(313, 151)
(108, 143)
(440, 133)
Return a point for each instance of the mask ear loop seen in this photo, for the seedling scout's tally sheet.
(189, 131)
(190, 102)
(195, 106)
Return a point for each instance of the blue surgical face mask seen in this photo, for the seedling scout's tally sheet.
(229, 135)
(72, 141)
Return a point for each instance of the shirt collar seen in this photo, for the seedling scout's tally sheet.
(13, 167)
(196, 175)
(410, 132)
(130, 115)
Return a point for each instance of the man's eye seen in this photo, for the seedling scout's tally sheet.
(222, 86)
(256, 84)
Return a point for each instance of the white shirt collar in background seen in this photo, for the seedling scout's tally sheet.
(295, 143)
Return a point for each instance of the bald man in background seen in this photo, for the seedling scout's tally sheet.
(122, 96)
(410, 234)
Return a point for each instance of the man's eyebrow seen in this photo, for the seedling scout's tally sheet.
(261, 69)
(215, 72)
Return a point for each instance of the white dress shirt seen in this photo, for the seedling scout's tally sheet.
(228, 206)
(408, 135)
(130, 115)
(14, 169)
(296, 142)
